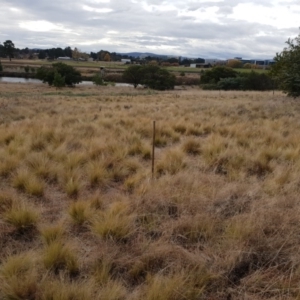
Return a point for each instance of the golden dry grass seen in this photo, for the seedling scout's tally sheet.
(82, 218)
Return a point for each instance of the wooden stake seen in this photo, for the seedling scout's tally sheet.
(153, 150)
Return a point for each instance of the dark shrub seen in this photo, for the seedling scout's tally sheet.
(216, 74)
(156, 78)
(235, 83)
(257, 81)
(71, 75)
(151, 76)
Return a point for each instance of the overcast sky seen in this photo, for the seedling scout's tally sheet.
(193, 28)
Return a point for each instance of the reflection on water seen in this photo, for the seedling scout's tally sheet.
(29, 80)
(19, 80)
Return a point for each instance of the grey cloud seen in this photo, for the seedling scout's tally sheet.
(139, 29)
(226, 10)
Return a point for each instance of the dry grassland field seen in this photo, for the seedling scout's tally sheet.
(82, 218)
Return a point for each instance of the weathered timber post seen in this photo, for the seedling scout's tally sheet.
(153, 150)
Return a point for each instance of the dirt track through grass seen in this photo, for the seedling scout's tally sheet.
(81, 218)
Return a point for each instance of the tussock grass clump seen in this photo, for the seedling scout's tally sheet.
(8, 165)
(75, 160)
(38, 144)
(176, 286)
(192, 147)
(242, 230)
(171, 163)
(73, 186)
(67, 290)
(96, 201)
(18, 277)
(168, 133)
(97, 174)
(194, 130)
(259, 167)
(58, 256)
(160, 141)
(7, 137)
(132, 182)
(28, 182)
(199, 228)
(119, 173)
(116, 223)
(80, 212)
(132, 164)
(52, 234)
(22, 218)
(180, 128)
(213, 147)
(102, 271)
(96, 150)
(114, 290)
(42, 166)
(146, 154)
(16, 265)
(136, 148)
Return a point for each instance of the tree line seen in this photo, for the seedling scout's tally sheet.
(154, 77)
(226, 78)
(8, 49)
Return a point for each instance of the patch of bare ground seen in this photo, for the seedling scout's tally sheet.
(82, 218)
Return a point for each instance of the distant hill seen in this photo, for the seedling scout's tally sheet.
(145, 54)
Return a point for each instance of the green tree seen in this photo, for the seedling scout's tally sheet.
(133, 74)
(42, 54)
(157, 78)
(59, 52)
(76, 54)
(286, 69)
(216, 74)
(71, 75)
(68, 51)
(151, 76)
(102, 54)
(234, 63)
(107, 57)
(9, 48)
(247, 66)
(98, 80)
(58, 81)
(231, 83)
(2, 52)
(257, 81)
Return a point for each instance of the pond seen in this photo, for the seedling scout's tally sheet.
(19, 80)
(29, 80)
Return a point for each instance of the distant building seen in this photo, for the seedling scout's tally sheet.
(64, 58)
(126, 61)
(215, 61)
(257, 62)
(201, 66)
